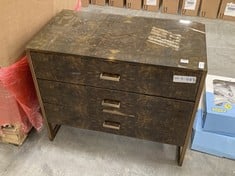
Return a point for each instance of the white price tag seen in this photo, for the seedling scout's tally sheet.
(190, 4)
(201, 65)
(184, 61)
(184, 79)
(230, 9)
(151, 2)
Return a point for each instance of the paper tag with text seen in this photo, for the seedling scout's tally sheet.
(151, 2)
(230, 9)
(190, 4)
(184, 79)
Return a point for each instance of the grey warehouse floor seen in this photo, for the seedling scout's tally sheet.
(86, 153)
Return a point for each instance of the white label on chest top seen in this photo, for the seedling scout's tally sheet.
(201, 65)
(184, 61)
(184, 79)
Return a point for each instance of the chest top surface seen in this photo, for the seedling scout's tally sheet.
(173, 43)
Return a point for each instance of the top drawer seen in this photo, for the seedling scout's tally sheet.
(139, 78)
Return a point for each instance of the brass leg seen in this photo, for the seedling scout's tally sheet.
(181, 154)
(52, 131)
(178, 153)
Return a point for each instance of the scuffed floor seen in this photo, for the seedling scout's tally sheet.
(86, 153)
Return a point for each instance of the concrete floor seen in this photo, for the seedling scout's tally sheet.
(80, 152)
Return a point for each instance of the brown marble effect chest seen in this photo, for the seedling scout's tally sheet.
(132, 76)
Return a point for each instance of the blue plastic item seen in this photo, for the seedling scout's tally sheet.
(211, 143)
(220, 105)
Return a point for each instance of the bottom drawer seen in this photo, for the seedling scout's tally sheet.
(166, 132)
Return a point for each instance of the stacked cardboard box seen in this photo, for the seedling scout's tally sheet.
(85, 3)
(209, 8)
(170, 6)
(222, 9)
(227, 10)
(134, 4)
(98, 2)
(151, 5)
(214, 129)
(117, 3)
(190, 7)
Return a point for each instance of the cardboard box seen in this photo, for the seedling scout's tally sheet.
(116, 3)
(151, 5)
(134, 4)
(211, 143)
(98, 2)
(190, 7)
(227, 10)
(170, 6)
(12, 135)
(209, 8)
(85, 3)
(21, 20)
(220, 105)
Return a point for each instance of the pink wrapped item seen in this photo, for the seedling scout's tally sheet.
(18, 100)
(78, 5)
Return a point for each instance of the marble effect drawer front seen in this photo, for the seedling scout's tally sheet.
(158, 131)
(139, 78)
(148, 117)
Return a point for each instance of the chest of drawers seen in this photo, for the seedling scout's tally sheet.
(131, 76)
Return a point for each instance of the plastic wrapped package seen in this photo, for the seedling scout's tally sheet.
(10, 111)
(18, 100)
(78, 5)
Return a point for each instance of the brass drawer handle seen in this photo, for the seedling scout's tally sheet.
(111, 103)
(111, 125)
(110, 77)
